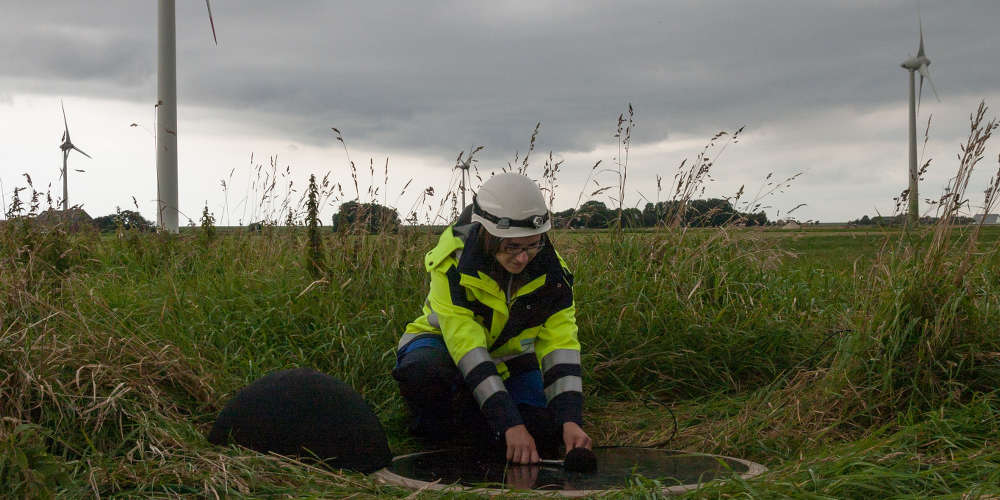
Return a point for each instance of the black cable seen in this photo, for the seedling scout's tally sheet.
(673, 434)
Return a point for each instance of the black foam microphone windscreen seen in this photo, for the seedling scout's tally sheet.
(305, 413)
(580, 460)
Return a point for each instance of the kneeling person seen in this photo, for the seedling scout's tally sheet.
(495, 353)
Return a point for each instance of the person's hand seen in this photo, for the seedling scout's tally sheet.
(574, 437)
(520, 445)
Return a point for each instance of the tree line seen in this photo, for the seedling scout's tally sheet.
(900, 220)
(712, 212)
(353, 216)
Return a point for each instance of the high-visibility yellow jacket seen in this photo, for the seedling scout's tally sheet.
(492, 332)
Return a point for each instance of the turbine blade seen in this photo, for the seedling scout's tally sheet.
(81, 152)
(920, 92)
(211, 21)
(932, 84)
(919, 52)
(65, 123)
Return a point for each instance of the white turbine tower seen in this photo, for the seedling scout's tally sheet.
(918, 64)
(166, 115)
(66, 147)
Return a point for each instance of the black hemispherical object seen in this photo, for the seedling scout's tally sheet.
(305, 413)
(580, 460)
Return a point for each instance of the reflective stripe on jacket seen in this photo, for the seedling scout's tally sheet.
(491, 337)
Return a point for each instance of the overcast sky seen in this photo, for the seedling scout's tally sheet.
(817, 84)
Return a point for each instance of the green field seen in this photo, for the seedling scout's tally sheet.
(853, 364)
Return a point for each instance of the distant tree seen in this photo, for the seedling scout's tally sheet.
(650, 215)
(360, 217)
(595, 214)
(757, 219)
(207, 225)
(631, 218)
(315, 257)
(712, 212)
(126, 219)
(566, 218)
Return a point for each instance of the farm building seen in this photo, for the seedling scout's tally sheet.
(74, 219)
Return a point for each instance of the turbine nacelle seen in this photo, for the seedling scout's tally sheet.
(914, 63)
(920, 63)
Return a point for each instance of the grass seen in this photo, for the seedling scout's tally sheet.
(854, 363)
(114, 368)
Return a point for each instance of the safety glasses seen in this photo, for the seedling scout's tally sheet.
(531, 250)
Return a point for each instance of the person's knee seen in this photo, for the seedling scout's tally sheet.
(425, 364)
(426, 374)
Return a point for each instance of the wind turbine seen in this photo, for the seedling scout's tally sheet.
(464, 166)
(916, 64)
(66, 147)
(166, 115)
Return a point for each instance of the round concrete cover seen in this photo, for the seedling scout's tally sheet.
(468, 469)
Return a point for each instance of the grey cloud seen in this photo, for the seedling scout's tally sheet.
(434, 77)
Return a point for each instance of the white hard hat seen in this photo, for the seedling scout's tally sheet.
(510, 205)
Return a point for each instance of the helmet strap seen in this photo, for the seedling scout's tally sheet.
(533, 222)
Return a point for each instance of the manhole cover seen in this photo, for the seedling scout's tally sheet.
(468, 469)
